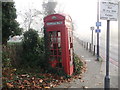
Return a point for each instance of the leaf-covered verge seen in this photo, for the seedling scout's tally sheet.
(79, 65)
(25, 66)
(31, 78)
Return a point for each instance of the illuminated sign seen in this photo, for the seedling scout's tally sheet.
(54, 23)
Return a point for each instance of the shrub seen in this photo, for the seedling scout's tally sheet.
(33, 49)
(6, 61)
(77, 65)
(11, 55)
(30, 40)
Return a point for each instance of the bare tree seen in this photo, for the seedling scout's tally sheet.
(28, 17)
(31, 14)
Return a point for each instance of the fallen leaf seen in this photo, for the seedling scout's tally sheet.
(26, 81)
(21, 86)
(28, 76)
(14, 69)
(33, 78)
(56, 80)
(81, 80)
(19, 81)
(40, 80)
(61, 77)
(100, 82)
(46, 87)
(9, 85)
(37, 86)
(24, 75)
(51, 85)
(17, 77)
(11, 74)
(84, 87)
(33, 82)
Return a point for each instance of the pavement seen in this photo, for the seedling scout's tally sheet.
(95, 74)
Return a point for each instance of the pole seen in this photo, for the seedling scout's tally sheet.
(94, 50)
(97, 46)
(98, 32)
(90, 48)
(92, 28)
(107, 78)
(92, 41)
(87, 46)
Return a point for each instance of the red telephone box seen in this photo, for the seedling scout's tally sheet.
(58, 28)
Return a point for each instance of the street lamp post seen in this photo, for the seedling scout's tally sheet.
(109, 11)
(92, 28)
(107, 77)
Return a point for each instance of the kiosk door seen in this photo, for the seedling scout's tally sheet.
(55, 49)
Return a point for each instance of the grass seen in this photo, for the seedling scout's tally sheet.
(14, 43)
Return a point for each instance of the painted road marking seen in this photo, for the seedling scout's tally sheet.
(111, 61)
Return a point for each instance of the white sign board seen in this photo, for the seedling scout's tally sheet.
(109, 10)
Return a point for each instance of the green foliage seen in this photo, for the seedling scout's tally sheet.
(6, 61)
(33, 49)
(77, 65)
(11, 54)
(10, 26)
(31, 40)
(57, 71)
(14, 43)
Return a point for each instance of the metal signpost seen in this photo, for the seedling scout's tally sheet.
(109, 12)
(98, 30)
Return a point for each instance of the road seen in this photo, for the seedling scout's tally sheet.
(102, 48)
